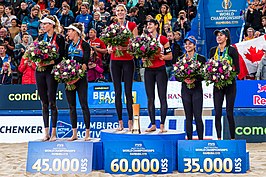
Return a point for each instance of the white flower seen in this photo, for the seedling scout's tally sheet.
(73, 70)
(182, 67)
(224, 67)
(112, 26)
(222, 76)
(216, 64)
(56, 73)
(32, 54)
(53, 49)
(214, 69)
(46, 51)
(214, 77)
(133, 45)
(114, 31)
(68, 61)
(125, 31)
(175, 68)
(69, 67)
(64, 73)
(149, 38)
(137, 45)
(107, 35)
(192, 65)
(184, 61)
(58, 66)
(152, 43)
(230, 68)
(80, 71)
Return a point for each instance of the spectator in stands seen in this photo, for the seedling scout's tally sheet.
(52, 8)
(191, 10)
(133, 15)
(66, 19)
(23, 12)
(9, 15)
(42, 4)
(27, 68)
(18, 38)
(32, 22)
(76, 10)
(164, 17)
(263, 22)
(14, 29)
(59, 12)
(4, 57)
(168, 63)
(143, 12)
(182, 24)
(21, 47)
(97, 23)
(250, 34)
(254, 15)
(8, 41)
(2, 11)
(84, 17)
(95, 7)
(104, 14)
(261, 71)
(179, 43)
(263, 3)
(95, 67)
(153, 7)
(30, 3)
(44, 13)
(113, 18)
(6, 74)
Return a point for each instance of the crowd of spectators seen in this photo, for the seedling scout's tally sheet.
(20, 26)
(255, 26)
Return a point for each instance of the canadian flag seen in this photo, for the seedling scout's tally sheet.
(250, 54)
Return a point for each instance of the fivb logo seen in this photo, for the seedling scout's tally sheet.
(178, 123)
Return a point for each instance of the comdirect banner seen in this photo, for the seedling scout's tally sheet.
(145, 157)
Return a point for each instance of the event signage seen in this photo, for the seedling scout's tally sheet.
(227, 13)
(145, 157)
(60, 157)
(212, 156)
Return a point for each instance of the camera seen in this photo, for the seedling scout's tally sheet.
(182, 17)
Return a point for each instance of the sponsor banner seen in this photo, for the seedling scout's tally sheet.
(251, 94)
(224, 13)
(135, 157)
(17, 129)
(60, 157)
(250, 128)
(26, 97)
(178, 123)
(212, 156)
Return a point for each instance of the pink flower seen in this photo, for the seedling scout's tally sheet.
(142, 48)
(186, 65)
(45, 56)
(220, 70)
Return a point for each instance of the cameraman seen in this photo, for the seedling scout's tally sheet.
(182, 24)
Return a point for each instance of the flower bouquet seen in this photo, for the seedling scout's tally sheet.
(116, 35)
(68, 71)
(187, 68)
(145, 47)
(219, 72)
(41, 52)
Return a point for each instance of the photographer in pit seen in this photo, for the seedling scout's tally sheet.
(182, 23)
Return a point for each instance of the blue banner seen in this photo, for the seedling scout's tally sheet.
(132, 157)
(60, 157)
(223, 13)
(220, 156)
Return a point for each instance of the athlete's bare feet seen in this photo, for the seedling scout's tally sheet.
(53, 135)
(130, 124)
(73, 138)
(162, 130)
(53, 138)
(46, 138)
(74, 135)
(152, 129)
(120, 126)
(87, 135)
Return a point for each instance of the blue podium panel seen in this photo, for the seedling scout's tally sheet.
(142, 156)
(212, 156)
(60, 157)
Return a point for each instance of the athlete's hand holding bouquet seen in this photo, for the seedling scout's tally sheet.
(187, 69)
(68, 71)
(42, 53)
(116, 36)
(145, 47)
(219, 72)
